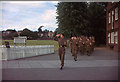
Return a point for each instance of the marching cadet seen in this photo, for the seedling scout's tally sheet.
(74, 48)
(83, 45)
(80, 45)
(70, 43)
(93, 43)
(62, 44)
(88, 47)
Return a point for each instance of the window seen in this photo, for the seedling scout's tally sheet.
(109, 17)
(112, 19)
(116, 37)
(109, 38)
(116, 13)
(112, 37)
(112, 2)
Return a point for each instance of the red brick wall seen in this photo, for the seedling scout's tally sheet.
(119, 27)
(110, 8)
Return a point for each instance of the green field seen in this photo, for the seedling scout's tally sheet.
(36, 42)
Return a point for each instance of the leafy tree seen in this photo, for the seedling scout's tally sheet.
(97, 21)
(40, 29)
(30, 34)
(13, 33)
(55, 32)
(46, 31)
(71, 18)
(75, 19)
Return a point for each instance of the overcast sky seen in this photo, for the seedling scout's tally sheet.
(28, 14)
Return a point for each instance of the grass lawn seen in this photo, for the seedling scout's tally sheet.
(36, 42)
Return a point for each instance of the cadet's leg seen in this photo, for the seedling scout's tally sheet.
(88, 51)
(82, 50)
(62, 58)
(75, 56)
(60, 53)
(73, 51)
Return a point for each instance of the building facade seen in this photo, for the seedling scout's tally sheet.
(50, 34)
(113, 25)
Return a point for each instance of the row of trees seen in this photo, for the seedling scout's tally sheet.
(13, 33)
(26, 32)
(75, 19)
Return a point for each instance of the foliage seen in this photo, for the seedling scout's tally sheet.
(89, 19)
(30, 34)
(39, 29)
(13, 33)
(71, 18)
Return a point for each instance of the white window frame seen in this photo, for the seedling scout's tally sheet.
(109, 38)
(112, 19)
(109, 18)
(112, 2)
(112, 37)
(116, 13)
(116, 37)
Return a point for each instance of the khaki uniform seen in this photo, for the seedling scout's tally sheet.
(61, 51)
(88, 47)
(92, 43)
(74, 48)
(70, 44)
(80, 46)
(83, 45)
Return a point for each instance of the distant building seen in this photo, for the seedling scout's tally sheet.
(6, 33)
(19, 32)
(113, 25)
(50, 34)
(46, 34)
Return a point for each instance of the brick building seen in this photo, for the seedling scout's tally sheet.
(50, 34)
(113, 25)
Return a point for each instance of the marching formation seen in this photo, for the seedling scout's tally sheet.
(81, 44)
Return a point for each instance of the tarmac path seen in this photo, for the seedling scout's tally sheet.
(101, 65)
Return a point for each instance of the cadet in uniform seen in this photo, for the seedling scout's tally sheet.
(62, 44)
(93, 43)
(88, 47)
(74, 48)
(70, 43)
(83, 45)
(80, 45)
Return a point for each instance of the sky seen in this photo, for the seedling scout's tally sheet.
(28, 14)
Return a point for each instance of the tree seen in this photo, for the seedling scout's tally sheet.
(46, 31)
(97, 21)
(89, 19)
(71, 18)
(30, 34)
(40, 29)
(13, 33)
(55, 32)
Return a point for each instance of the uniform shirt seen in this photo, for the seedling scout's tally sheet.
(75, 42)
(80, 43)
(61, 41)
(70, 42)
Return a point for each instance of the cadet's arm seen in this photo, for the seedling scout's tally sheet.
(65, 43)
(56, 39)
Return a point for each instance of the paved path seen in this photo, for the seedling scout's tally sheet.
(101, 65)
